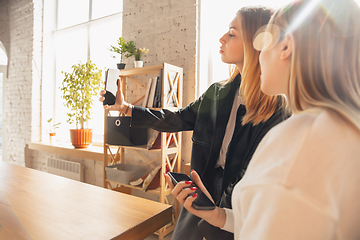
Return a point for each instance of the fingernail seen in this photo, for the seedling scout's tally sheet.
(194, 195)
(193, 188)
(188, 182)
(192, 170)
(164, 174)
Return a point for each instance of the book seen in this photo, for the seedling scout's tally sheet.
(155, 104)
(146, 98)
(158, 91)
(150, 102)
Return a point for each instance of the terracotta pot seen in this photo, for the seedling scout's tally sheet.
(81, 138)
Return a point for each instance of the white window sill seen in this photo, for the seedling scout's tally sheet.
(65, 148)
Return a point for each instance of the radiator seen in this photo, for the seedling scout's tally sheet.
(72, 170)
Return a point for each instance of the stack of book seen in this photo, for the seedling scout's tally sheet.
(153, 93)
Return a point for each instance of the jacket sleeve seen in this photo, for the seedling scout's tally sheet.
(165, 120)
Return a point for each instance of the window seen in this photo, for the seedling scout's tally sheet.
(75, 31)
(3, 57)
(3, 70)
(211, 68)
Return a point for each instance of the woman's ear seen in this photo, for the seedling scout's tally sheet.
(287, 47)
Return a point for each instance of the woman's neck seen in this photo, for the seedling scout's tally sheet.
(240, 67)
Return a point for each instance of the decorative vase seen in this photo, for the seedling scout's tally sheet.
(121, 66)
(52, 137)
(81, 138)
(138, 64)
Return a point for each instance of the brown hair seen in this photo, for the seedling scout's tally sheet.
(325, 64)
(259, 107)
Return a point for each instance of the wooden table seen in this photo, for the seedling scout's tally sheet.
(39, 205)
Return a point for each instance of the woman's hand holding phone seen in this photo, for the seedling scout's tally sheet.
(186, 193)
(120, 104)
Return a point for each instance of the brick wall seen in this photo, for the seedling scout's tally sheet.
(21, 122)
(168, 28)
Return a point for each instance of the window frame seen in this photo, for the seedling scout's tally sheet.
(51, 80)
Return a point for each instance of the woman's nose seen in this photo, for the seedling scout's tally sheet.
(222, 39)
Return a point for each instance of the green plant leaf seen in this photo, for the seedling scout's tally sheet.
(78, 88)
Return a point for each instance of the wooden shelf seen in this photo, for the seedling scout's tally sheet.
(171, 99)
(156, 191)
(141, 148)
(141, 71)
(170, 150)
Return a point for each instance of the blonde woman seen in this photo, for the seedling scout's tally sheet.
(228, 121)
(303, 180)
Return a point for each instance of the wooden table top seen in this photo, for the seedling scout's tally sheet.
(39, 205)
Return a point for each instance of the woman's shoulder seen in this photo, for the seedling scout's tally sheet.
(227, 82)
(282, 146)
(314, 120)
(308, 137)
(295, 134)
(293, 126)
(221, 88)
(320, 124)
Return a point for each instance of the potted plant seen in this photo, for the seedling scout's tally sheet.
(138, 53)
(52, 127)
(78, 88)
(121, 48)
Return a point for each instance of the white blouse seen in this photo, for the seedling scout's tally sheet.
(302, 183)
(229, 132)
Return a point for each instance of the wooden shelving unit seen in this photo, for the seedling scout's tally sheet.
(114, 154)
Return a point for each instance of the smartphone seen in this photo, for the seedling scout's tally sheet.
(112, 76)
(202, 202)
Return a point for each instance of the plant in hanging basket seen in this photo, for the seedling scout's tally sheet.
(78, 88)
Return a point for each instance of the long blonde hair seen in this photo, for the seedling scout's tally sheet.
(259, 107)
(325, 67)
